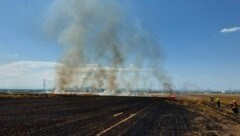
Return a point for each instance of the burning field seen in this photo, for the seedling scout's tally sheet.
(111, 115)
(108, 80)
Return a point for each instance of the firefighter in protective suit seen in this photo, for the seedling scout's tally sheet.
(218, 103)
(234, 107)
(212, 100)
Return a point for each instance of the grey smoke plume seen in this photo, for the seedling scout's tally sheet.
(98, 32)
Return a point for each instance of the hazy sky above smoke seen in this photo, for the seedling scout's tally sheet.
(200, 40)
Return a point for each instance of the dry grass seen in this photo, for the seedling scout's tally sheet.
(208, 120)
(224, 98)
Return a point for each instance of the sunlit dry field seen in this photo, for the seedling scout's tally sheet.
(224, 98)
(109, 115)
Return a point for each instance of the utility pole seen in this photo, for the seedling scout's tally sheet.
(44, 84)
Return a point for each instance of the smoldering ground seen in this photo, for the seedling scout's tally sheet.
(101, 33)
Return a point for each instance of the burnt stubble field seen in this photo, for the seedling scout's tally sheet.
(109, 115)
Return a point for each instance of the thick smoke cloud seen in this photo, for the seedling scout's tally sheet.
(120, 53)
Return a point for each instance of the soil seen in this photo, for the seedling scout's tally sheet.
(109, 115)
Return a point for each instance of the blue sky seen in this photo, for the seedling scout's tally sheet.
(200, 40)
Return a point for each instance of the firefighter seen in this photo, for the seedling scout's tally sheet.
(234, 107)
(218, 104)
(212, 100)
